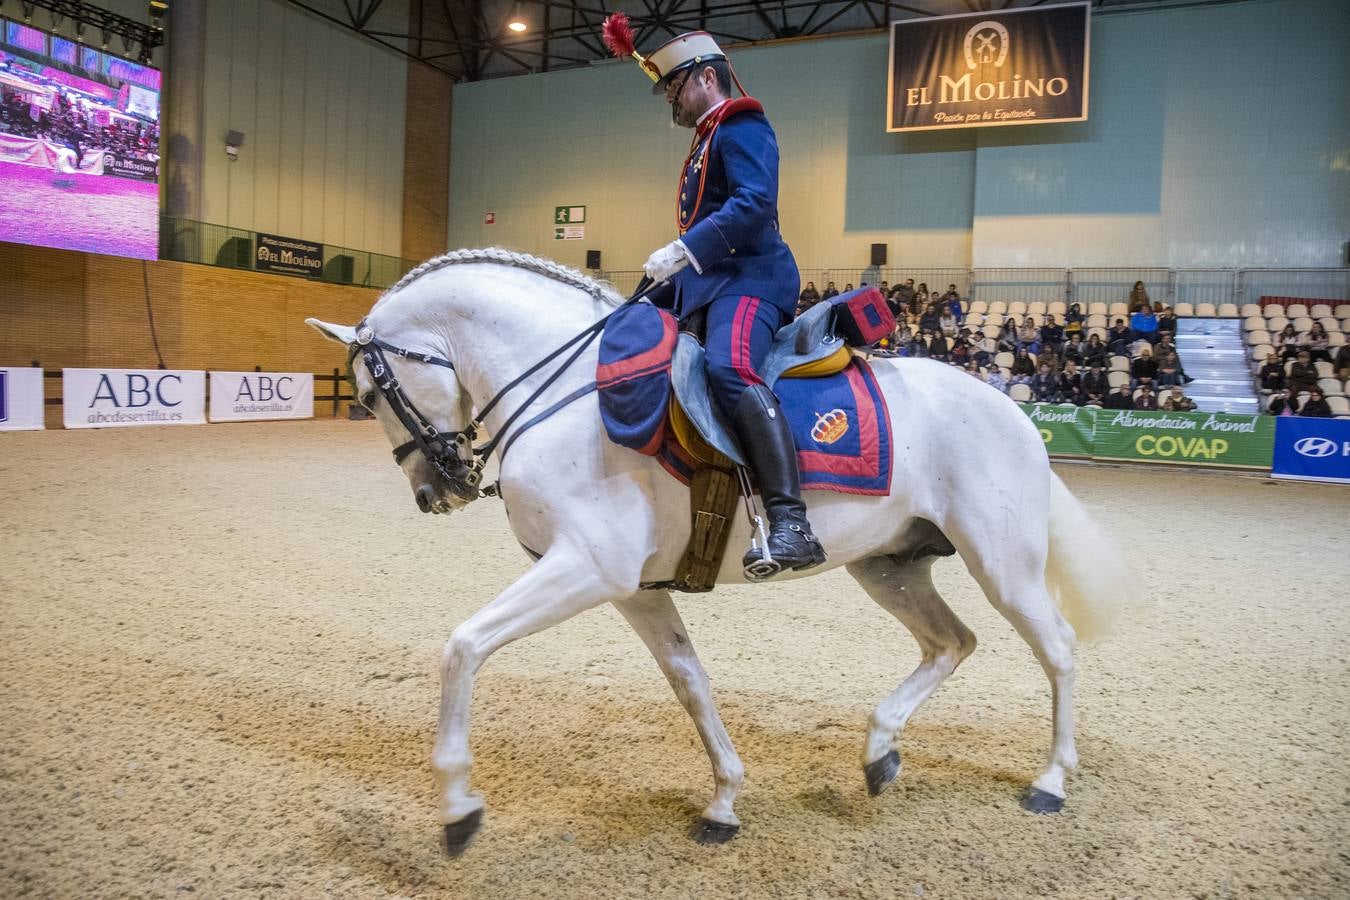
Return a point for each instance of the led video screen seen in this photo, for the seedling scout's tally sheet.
(79, 146)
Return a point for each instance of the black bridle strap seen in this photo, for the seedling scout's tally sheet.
(575, 395)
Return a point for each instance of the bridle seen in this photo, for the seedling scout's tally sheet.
(443, 449)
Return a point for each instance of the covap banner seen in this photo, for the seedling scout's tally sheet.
(1312, 449)
(21, 399)
(1066, 430)
(256, 396)
(1197, 439)
(120, 398)
(1013, 67)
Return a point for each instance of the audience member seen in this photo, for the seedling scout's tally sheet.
(1048, 357)
(1118, 338)
(1095, 353)
(1283, 404)
(1096, 384)
(982, 348)
(1167, 321)
(808, 298)
(1144, 368)
(1052, 334)
(1177, 401)
(1119, 398)
(1144, 325)
(996, 380)
(1288, 342)
(1023, 364)
(1029, 335)
(1169, 368)
(947, 322)
(930, 320)
(1302, 374)
(1139, 298)
(938, 347)
(830, 291)
(1272, 374)
(1319, 343)
(1342, 362)
(1073, 320)
(1071, 384)
(1146, 399)
(1045, 386)
(1007, 336)
(1317, 406)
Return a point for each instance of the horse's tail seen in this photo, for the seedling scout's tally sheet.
(1088, 576)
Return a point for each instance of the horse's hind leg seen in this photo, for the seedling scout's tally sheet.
(654, 617)
(1013, 578)
(561, 584)
(905, 590)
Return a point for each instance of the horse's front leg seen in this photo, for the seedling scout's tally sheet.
(654, 617)
(561, 584)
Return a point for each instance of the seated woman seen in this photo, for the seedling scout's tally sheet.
(1342, 362)
(1283, 404)
(947, 322)
(1073, 349)
(938, 348)
(1317, 406)
(1052, 334)
(996, 380)
(1048, 357)
(1139, 297)
(1029, 336)
(1272, 374)
(1095, 352)
(1288, 342)
(1023, 364)
(1007, 336)
(1319, 346)
(1071, 384)
(1073, 320)
(982, 348)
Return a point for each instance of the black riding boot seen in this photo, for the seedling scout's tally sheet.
(766, 438)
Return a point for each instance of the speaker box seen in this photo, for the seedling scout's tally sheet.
(878, 254)
(338, 270)
(235, 253)
(592, 259)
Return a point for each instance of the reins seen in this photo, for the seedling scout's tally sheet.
(442, 448)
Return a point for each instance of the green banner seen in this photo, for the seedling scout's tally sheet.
(1197, 439)
(1066, 430)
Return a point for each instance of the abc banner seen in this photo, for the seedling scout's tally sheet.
(21, 399)
(1312, 449)
(1066, 430)
(1196, 439)
(121, 398)
(253, 396)
(1014, 67)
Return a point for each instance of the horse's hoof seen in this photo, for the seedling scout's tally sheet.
(706, 831)
(881, 772)
(456, 837)
(1039, 801)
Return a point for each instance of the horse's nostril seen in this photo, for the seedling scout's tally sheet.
(426, 497)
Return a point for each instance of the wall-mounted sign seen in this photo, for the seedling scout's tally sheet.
(1014, 67)
(290, 256)
(246, 396)
(569, 215)
(21, 399)
(489, 218)
(569, 233)
(120, 398)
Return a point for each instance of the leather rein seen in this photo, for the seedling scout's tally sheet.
(452, 454)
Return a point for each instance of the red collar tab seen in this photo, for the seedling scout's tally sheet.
(727, 110)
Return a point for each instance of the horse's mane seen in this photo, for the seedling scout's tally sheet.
(600, 290)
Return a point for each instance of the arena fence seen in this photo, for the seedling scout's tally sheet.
(1084, 285)
(186, 240)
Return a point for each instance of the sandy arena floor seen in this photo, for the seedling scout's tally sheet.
(218, 677)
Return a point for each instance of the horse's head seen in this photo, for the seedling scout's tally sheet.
(417, 398)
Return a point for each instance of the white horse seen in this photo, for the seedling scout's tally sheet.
(971, 476)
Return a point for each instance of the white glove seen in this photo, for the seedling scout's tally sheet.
(666, 261)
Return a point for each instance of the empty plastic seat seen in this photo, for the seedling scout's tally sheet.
(1020, 392)
(1331, 387)
(1335, 339)
(1120, 364)
(1058, 308)
(992, 329)
(1303, 324)
(1252, 309)
(1036, 309)
(1096, 321)
(1228, 310)
(1254, 323)
(1319, 310)
(1276, 324)
(1116, 379)
(972, 320)
(1330, 323)
(1340, 407)
(997, 308)
(1003, 360)
(1256, 338)
(1118, 309)
(1295, 310)
(1206, 310)
(1324, 369)
(1017, 308)
(1097, 309)
(979, 306)
(1273, 309)
(1343, 311)
(1183, 309)
(1260, 352)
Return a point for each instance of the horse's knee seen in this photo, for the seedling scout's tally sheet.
(461, 652)
(965, 643)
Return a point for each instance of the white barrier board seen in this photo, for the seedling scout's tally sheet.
(122, 398)
(253, 396)
(20, 399)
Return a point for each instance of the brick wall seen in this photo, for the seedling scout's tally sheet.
(68, 309)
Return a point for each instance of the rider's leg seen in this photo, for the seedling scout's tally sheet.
(740, 331)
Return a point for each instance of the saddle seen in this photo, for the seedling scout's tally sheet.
(648, 407)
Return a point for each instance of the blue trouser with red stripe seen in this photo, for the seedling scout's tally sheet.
(739, 333)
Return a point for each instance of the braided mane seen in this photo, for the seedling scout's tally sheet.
(600, 290)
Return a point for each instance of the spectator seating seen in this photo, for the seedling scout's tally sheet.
(1020, 392)
(1183, 310)
(1097, 309)
(1205, 310)
(1116, 378)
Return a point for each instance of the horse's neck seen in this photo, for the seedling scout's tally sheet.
(495, 323)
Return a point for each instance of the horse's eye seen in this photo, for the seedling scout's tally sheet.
(368, 400)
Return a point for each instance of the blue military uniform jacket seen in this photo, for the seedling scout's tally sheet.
(728, 213)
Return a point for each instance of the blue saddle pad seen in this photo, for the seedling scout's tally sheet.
(632, 376)
(842, 429)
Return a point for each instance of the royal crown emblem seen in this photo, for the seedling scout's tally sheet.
(830, 426)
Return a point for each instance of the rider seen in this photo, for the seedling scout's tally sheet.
(731, 263)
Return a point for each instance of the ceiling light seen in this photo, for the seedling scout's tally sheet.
(515, 21)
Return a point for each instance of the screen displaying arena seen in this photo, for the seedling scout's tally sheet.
(79, 146)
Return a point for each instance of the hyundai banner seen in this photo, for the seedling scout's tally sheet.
(21, 399)
(1312, 449)
(121, 398)
(1013, 67)
(257, 396)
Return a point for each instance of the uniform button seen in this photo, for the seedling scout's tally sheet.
(682, 196)
(733, 251)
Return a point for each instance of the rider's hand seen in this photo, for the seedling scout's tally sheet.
(666, 261)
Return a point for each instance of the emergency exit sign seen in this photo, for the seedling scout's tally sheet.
(569, 215)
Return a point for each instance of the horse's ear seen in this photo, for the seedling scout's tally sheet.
(343, 334)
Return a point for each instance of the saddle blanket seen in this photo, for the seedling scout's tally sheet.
(840, 422)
